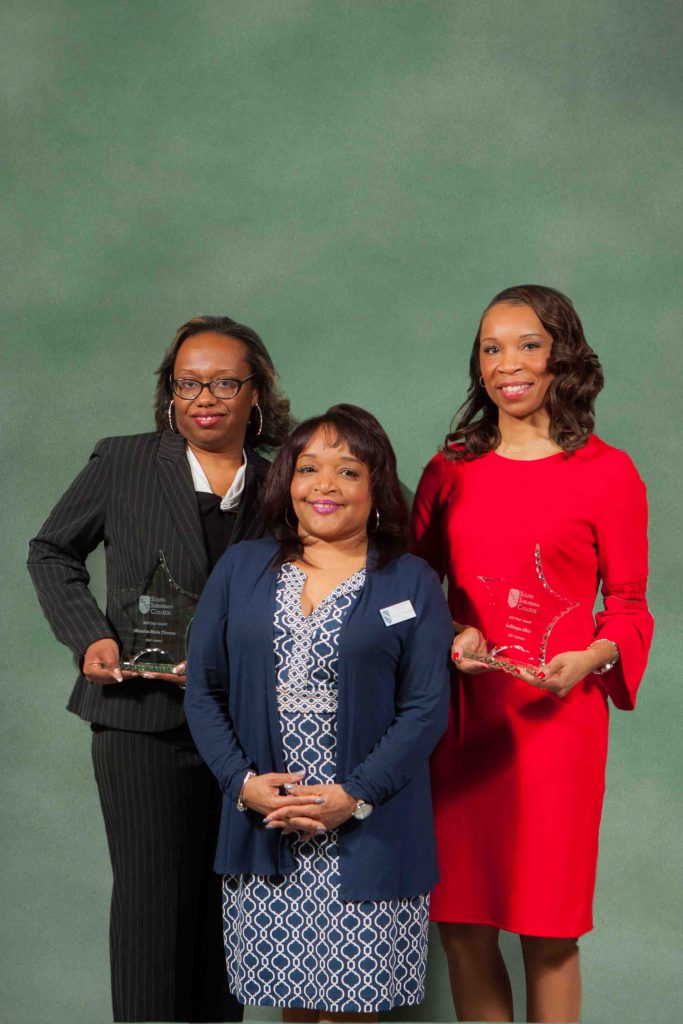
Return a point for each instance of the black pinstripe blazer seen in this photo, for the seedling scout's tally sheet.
(135, 494)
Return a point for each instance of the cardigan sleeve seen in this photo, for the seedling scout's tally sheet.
(208, 683)
(57, 554)
(422, 694)
(426, 527)
(621, 536)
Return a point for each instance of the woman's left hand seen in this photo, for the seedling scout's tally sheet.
(564, 671)
(336, 808)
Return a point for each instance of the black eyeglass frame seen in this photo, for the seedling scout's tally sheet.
(210, 385)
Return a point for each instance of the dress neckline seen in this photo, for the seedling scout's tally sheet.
(351, 583)
(588, 446)
(543, 458)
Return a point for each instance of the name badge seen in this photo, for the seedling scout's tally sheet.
(397, 613)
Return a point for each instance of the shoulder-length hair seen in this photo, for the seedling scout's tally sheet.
(274, 406)
(570, 400)
(367, 442)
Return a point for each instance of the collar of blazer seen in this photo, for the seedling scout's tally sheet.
(176, 483)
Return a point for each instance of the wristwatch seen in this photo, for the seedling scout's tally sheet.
(362, 810)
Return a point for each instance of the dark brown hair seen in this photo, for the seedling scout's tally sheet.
(570, 400)
(369, 444)
(274, 406)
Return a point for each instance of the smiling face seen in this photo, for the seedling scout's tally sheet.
(514, 349)
(330, 490)
(214, 424)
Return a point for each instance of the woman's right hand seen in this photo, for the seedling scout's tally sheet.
(261, 793)
(101, 663)
(472, 640)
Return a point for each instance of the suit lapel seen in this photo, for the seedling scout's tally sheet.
(178, 489)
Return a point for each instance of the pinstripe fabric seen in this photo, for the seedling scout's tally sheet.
(161, 809)
(160, 803)
(136, 495)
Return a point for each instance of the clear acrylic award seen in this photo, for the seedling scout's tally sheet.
(156, 617)
(520, 616)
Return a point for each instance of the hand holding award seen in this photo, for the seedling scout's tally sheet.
(521, 615)
(157, 616)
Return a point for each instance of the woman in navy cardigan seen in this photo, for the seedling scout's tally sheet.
(317, 689)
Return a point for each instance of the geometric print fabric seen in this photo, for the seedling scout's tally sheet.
(290, 941)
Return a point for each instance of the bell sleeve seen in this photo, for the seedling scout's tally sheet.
(621, 538)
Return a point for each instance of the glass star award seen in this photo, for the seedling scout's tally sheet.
(156, 617)
(519, 617)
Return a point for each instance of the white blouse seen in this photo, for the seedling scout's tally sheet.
(233, 496)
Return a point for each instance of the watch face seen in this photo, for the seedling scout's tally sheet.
(362, 810)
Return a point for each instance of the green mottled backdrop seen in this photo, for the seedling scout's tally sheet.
(355, 179)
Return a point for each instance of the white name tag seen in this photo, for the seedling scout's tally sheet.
(397, 613)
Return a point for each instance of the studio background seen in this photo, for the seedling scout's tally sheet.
(355, 180)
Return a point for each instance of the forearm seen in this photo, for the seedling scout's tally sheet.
(66, 601)
(400, 753)
(212, 730)
(57, 558)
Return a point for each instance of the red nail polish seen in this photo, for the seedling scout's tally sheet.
(456, 655)
(540, 675)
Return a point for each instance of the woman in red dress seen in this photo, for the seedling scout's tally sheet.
(525, 500)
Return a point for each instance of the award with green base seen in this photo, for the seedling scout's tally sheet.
(157, 616)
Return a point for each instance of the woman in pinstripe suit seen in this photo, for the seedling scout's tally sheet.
(189, 489)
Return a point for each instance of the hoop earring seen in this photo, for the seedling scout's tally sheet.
(374, 528)
(171, 407)
(481, 381)
(257, 408)
(288, 522)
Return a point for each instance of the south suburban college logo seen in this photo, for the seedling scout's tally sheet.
(513, 598)
(145, 603)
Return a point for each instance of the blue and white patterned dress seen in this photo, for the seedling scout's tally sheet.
(292, 941)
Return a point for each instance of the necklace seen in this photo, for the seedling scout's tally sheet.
(524, 447)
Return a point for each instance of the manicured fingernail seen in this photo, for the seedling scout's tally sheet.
(321, 828)
(540, 675)
(288, 785)
(319, 800)
(271, 825)
(456, 655)
(147, 675)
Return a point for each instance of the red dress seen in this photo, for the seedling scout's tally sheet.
(518, 779)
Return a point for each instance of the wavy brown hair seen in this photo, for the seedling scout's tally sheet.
(570, 400)
(274, 406)
(368, 443)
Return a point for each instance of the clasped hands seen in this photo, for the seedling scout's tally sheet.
(308, 810)
(559, 676)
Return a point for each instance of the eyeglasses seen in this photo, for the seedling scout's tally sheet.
(224, 387)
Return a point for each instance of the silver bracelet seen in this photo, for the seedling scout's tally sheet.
(241, 806)
(610, 664)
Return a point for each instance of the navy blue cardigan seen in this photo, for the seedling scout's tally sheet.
(393, 698)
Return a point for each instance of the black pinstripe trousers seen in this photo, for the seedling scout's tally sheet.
(161, 809)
